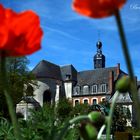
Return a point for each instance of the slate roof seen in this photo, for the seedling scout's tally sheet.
(96, 76)
(122, 98)
(46, 69)
(31, 100)
(69, 69)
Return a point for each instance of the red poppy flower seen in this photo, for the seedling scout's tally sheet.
(97, 8)
(20, 33)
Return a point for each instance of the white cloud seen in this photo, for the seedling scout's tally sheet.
(63, 33)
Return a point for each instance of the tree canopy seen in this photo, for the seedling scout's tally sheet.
(18, 75)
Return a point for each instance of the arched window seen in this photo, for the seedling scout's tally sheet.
(76, 102)
(86, 89)
(103, 99)
(85, 101)
(94, 89)
(94, 101)
(77, 90)
(47, 96)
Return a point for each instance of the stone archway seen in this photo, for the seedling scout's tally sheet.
(47, 96)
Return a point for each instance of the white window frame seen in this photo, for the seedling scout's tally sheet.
(76, 100)
(86, 88)
(103, 88)
(75, 90)
(94, 87)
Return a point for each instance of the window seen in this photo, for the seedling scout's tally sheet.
(77, 90)
(103, 88)
(85, 101)
(76, 102)
(94, 89)
(94, 101)
(85, 89)
(103, 99)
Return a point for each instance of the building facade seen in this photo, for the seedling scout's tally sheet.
(90, 86)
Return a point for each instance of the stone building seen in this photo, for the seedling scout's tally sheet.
(90, 86)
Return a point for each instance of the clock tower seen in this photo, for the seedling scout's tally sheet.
(99, 58)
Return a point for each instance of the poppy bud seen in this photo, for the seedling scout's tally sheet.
(123, 85)
(88, 132)
(97, 119)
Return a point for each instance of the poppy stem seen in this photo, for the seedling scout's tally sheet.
(129, 66)
(5, 89)
(109, 121)
(124, 44)
(100, 132)
(72, 121)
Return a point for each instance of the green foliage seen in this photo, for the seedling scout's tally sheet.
(106, 106)
(81, 109)
(44, 124)
(64, 108)
(6, 130)
(17, 65)
(18, 76)
(121, 114)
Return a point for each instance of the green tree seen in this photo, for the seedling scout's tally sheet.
(64, 108)
(18, 76)
(120, 116)
(45, 124)
(81, 109)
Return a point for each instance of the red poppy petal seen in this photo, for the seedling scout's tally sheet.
(20, 34)
(98, 8)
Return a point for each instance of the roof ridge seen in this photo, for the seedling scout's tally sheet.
(98, 69)
(49, 62)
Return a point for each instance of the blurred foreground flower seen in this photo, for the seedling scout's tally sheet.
(97, 8)
(20, 33)
(88, 131)
(123, 85)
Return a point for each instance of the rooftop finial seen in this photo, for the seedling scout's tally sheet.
(99, 44)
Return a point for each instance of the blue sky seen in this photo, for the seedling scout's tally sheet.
(70, 38)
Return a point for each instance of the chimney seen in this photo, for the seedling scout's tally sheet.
(118, 69)
(111, 82)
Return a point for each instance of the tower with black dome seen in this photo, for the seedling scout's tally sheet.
(99, 58)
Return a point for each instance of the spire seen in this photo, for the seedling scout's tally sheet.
(99, 58)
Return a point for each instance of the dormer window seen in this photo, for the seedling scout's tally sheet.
(103, 88)
(86, 89)
(77, 90)
(94, 89)
(68, 76)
